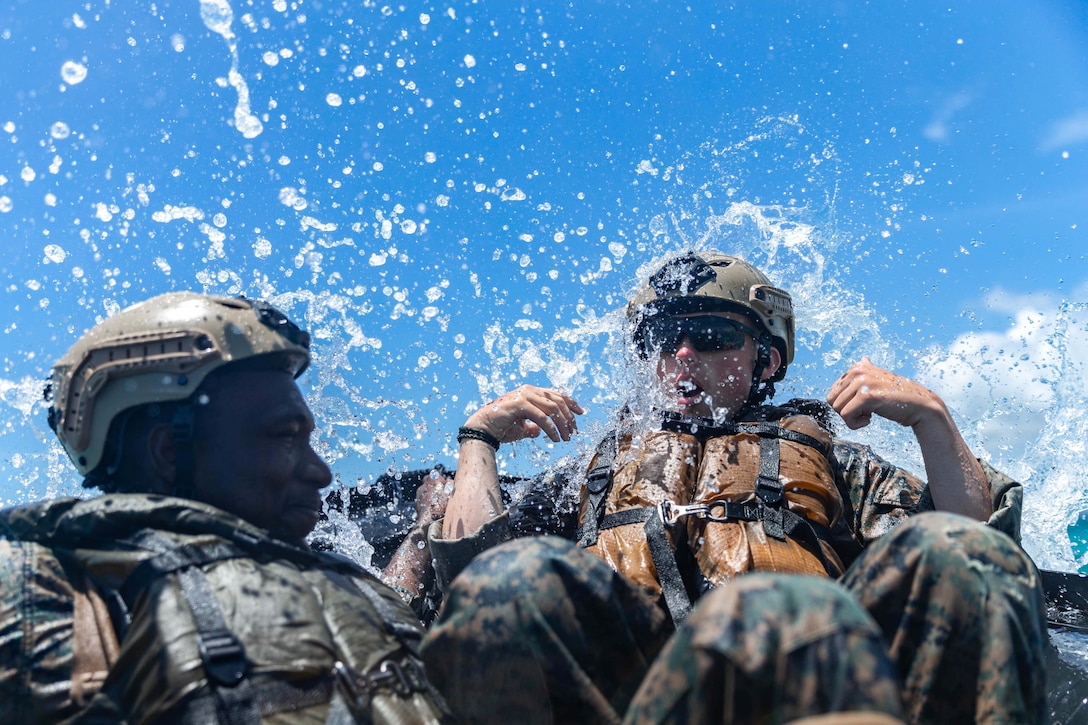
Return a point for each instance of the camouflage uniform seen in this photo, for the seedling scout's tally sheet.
(105, 607)
(937, 619)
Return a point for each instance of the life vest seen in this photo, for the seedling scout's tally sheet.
(753, 496)
(152, 609)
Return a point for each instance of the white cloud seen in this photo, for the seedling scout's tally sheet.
(938, 127)
(1069, 131)
(1021, 397)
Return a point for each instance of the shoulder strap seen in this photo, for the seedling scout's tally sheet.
(598, 483)
(232, 700)
(409, 637)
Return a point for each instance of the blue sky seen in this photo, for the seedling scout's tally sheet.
(455, 197)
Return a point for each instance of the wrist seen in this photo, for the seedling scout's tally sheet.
(467, 433)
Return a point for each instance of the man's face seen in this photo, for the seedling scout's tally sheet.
(711, 384)
(252, 453)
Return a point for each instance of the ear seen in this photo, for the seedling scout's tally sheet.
(772, 365)
(162, 455)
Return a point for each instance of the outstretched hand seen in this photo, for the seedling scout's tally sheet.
(866, 390)
(526, 413)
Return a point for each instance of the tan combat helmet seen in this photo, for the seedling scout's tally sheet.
(716, 282)
(155, 352)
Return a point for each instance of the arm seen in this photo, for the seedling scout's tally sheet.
(522, 413)
(956, 479)
(409, 571)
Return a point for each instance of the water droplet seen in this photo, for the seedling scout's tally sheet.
(54, 253)
(73, 73)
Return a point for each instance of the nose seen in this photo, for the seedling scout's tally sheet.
(315, 471)
(685, 350)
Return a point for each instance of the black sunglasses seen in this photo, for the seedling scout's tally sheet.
(708, 333)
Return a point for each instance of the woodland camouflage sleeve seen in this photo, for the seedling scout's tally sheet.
(881, 494)
(453, 555)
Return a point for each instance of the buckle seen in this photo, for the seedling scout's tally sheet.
(358, 700)
(401, 678)
(597, 479)
(672, 512)
(224, 657)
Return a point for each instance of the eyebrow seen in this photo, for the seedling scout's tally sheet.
(306, 419)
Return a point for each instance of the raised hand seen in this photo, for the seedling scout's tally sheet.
(956, 479)
(526, 413)
(866, 390)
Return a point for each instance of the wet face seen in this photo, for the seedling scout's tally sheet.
(252, 453)
(712, 384)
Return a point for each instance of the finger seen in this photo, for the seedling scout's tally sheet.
(557, 407)
(843, 382)
(841, 393)
(856, 412)
(529, 429)
(859, 421)
(573, 405)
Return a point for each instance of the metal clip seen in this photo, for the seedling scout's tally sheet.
(717, 511)
(672, 512)
(357, 700)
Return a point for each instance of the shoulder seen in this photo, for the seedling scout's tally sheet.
(819, 411)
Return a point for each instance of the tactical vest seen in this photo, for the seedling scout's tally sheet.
(151, 609)
(751, 497)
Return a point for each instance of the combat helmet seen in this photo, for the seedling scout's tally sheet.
(716, 282)
(159, 351)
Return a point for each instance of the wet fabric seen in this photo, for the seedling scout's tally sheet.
(578, 642)
(941, 622)
(767, 489)
(309, 636)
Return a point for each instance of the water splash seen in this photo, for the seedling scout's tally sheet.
(218, 17)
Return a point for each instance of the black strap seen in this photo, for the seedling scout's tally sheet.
(409, 637)
(668, 573)
(769, 487)
(598, 483)
(627, 516)
(222, 653)
(704, 429)
(808, 534)
(770, 430)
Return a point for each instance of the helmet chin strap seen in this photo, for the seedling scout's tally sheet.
(763, 359)
(181, 428)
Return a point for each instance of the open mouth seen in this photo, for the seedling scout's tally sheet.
(687, 390)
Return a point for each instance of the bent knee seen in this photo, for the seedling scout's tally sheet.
(792, 609)
(950, 540)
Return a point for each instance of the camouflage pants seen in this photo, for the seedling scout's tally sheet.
(539, 631)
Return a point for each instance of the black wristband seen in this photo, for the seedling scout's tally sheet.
(466, 433)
